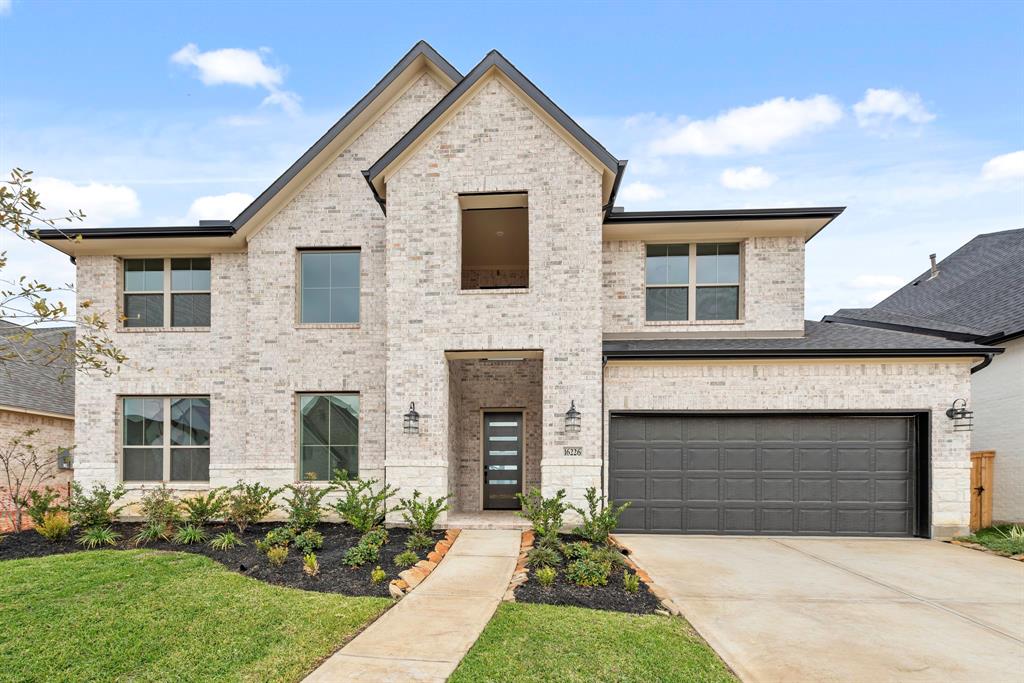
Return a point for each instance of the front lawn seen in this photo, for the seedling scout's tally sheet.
(527, 642)
(144, 615)
(1000, 538)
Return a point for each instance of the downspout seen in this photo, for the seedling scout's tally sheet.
(983, 364)
(604, 362)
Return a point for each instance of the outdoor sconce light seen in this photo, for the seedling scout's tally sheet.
(411, 421)
(572, 419)
(963, 419)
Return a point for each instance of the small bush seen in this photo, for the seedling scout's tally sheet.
(546, 576)
(304, 510)
(378, 575)
(55, 526)
(277, 555)
(202, 509)
(418, 540)
(577, 551)
(609, 554)
(422, 514)
(189, 535)
(94, 537)
(360, 505)
(152, 531)
(376, 537)
(310, 565)
(406, 558)
(226, 541)
(308, 541)
(361, 553)
(281, 536)
(41, 503)
(96, 508)
(630, 581)
(249, 503)
(543, 557)
(599, 519)
(588, 572)
(159, 506)
(545, 514)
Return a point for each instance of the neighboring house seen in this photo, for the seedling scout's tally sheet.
(976, 294)
(451, 242)
(37, 392)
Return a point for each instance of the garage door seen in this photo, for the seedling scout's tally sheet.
(765, 474)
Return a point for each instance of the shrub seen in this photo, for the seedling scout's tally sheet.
(160, 507)
(277, 555)
(55, 526)
(152, 531)
(367, 549)
(630, 581)
(543, 557)
(94, 537)
(281, 536)
(304, 511)
(599, 520)
(360, 505)
(310, 565)
(418, 540)
(421, 515)
(378, 575)
(225, 541)
(249, 503)
(576, 551)
(545, 514)
(308, 541)
(609, 554)
(546, 576)
(204, 508)
(190, 534)
(40, 503)
(406, 558)
(96, 508)
(588, 572)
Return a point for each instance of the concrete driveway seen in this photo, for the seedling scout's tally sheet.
(797, 609)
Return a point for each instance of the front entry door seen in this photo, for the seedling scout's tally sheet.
(503, 460)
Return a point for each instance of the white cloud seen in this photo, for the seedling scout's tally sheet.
(1004, 166)
(640, 192)
(217, 207)
(236, 66)
(5, 7)
(102, 203)
(881, 106)
(749, 178)
(751, 129)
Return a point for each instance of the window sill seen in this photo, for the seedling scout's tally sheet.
(196, 485)
(135, 330)
(497, 290)
(691, 323)
(327, 326)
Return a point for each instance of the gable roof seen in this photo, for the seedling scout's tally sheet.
(977, 295)
(496, 61)
(29, 379)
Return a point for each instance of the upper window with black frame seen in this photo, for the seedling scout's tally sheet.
(495, 241)
(328, 436)
(688, 282)
(329, 286)
(167, 292)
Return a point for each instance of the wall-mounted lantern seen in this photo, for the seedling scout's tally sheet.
(411, 420)
(963, 419)
(65, 461)
(572, 419)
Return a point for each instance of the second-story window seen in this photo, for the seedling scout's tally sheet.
(167, 292)
(329, 286)
(688, 282)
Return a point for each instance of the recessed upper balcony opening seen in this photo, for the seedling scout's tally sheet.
(495, 240)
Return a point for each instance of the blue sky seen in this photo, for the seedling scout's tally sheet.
(911, 114)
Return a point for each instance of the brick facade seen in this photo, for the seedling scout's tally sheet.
(52, 434)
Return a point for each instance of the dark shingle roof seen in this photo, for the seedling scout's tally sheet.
(978, 293)
(30, 378)
(820, 340)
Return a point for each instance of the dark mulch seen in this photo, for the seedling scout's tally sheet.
(334, 577)
(611, 597)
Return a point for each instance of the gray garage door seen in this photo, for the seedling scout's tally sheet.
(765, 474)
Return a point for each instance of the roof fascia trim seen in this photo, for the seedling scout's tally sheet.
(830, 212)
(810, 353)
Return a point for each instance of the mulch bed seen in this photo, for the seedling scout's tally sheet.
(334, 577)
(610, 597)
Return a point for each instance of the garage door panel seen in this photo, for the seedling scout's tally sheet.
(765, 474)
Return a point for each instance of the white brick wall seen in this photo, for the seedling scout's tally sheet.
(998, 403)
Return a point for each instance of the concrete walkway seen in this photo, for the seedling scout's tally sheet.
(797, 609)
(426, 635)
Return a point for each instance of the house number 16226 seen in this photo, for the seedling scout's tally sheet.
(573, 451)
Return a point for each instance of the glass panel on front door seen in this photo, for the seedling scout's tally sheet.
(503, 460)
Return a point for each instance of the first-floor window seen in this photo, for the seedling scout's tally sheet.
(166, 438)
(328, 435)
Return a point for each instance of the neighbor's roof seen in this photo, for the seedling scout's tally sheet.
(29, 381)
(820, 340)
(977, 295)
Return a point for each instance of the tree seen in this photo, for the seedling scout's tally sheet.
(26, 302)
(24, 469)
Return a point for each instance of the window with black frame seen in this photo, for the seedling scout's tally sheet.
(328, 435)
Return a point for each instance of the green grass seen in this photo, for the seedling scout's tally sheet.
(998, 538)
(152, 616)
(526, 642)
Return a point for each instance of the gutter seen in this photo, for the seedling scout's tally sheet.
(219, 230)
(607, 208)
(675, 354)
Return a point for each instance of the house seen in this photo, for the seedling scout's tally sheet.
(37, 393)
(976, 294)
(440, 293)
